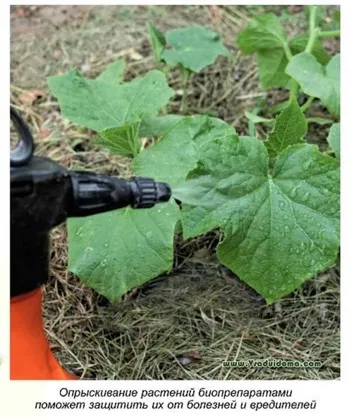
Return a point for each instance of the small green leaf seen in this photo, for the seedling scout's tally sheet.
(279, 229)
(264, 32)
(122, 140)
(334, 139)
(114, 73)
(271, 65)
(336, 16)
(99, 105)
(193, 47)
(158, 42)
(119, 250)
(317, 81)
(290, 129)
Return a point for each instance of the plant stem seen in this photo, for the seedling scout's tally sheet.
(313, 30)
(307, 104)
(329, 34)
(287, 51)
(185, 76)
(294, 84)
(294, 89)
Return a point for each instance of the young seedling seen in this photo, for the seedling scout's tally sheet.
(191, 48)
(297, 63)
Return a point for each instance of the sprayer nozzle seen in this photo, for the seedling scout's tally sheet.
(164, 191)
(147, 192)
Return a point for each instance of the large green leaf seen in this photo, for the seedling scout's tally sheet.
(279, 229)
(193, 47)
(117, 251)
(334, 139)
(177, 153)
(99, 105)
(290, 129)
(114, 73)
(317, 81)
(158, 42)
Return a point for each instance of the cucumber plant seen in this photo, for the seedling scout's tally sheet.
(301, 63)
(191, 48)
(276, 202)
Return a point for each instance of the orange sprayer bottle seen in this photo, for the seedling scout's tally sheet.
(43, 195)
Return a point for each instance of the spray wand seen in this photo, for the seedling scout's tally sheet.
(43, 195)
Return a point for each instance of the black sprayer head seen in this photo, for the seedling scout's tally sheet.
(94, 193)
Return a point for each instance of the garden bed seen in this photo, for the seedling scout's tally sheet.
(185, 324)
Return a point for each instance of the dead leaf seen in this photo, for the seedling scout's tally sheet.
(202, 253)
(195, 354)
(186, 359)
(295, 9)
(85, 67)
(215, 14)
(298, 344)
(135, 56)
(210, 322)
(57, 53)
(22, 11)
(28, 97)
(44, 132)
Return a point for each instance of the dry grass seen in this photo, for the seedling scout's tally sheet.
(183, 326)
(180, 326)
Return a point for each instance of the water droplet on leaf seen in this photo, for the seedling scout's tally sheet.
(293, 193)
(305, 197)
